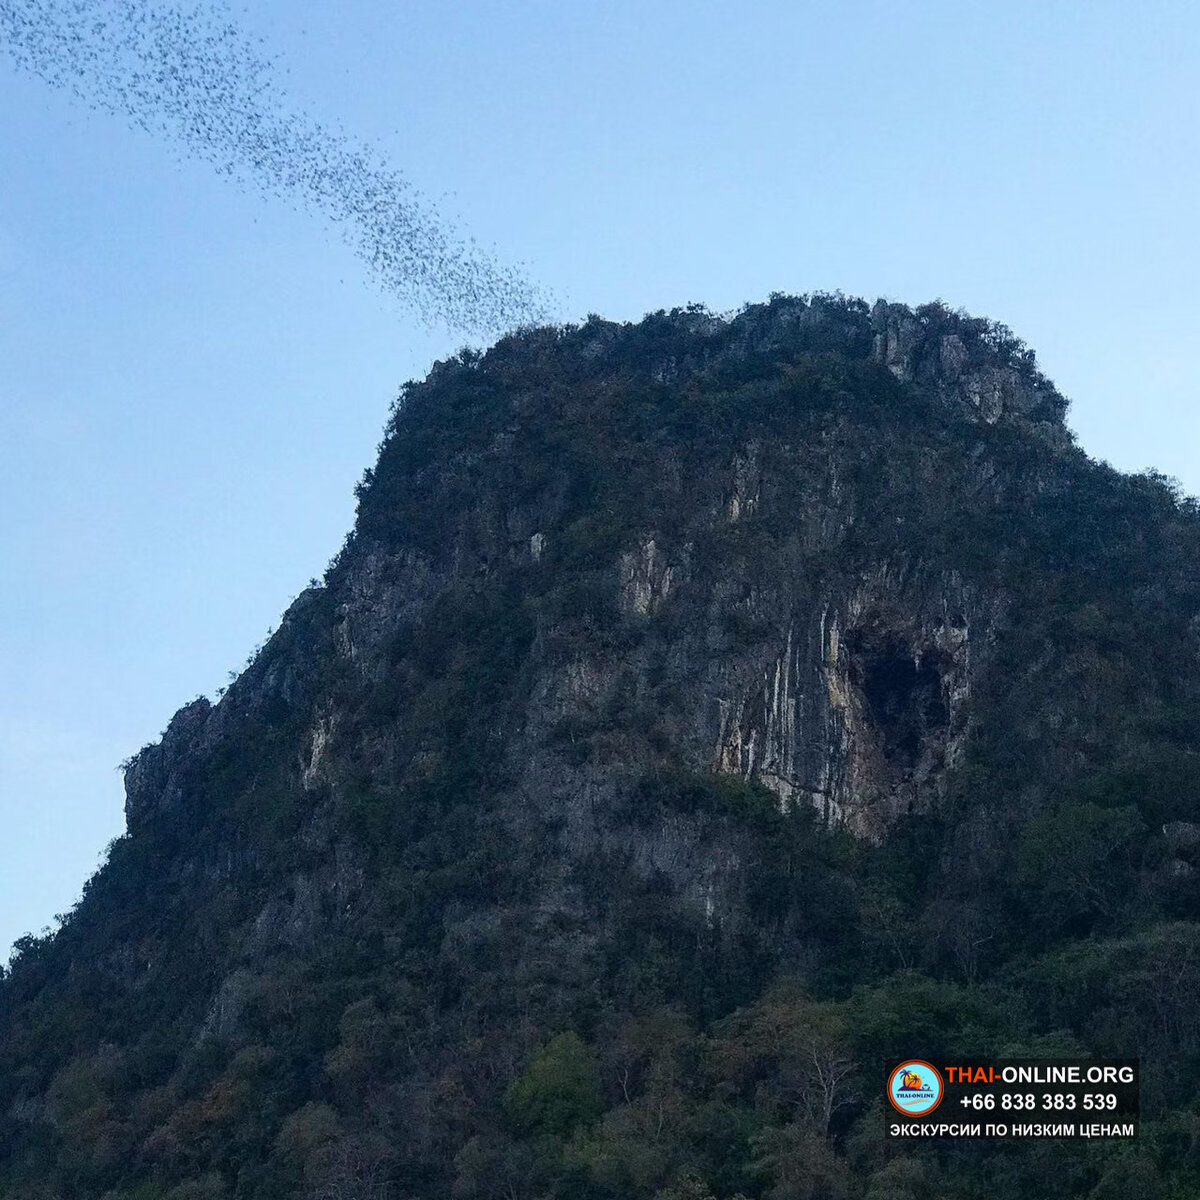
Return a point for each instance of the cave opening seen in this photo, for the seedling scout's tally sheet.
(903, 693)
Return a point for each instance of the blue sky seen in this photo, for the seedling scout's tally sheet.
(192, 378)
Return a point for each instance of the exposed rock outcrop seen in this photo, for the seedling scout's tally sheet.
(665, 662)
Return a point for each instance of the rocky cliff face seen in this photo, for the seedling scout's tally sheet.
(976, 367)
(654, 650)
(851, 695)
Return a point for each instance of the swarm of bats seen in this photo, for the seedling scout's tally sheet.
(189, 74)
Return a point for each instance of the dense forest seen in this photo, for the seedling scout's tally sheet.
(703, 713)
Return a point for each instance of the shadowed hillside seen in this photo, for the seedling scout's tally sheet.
(702, 712)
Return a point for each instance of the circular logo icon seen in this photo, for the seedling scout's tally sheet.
(915, 1088)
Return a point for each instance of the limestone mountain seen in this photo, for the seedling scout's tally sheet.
(701, 712)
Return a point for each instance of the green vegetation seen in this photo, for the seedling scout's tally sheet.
(444, 899)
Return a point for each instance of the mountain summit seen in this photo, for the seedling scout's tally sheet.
(702, 712)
